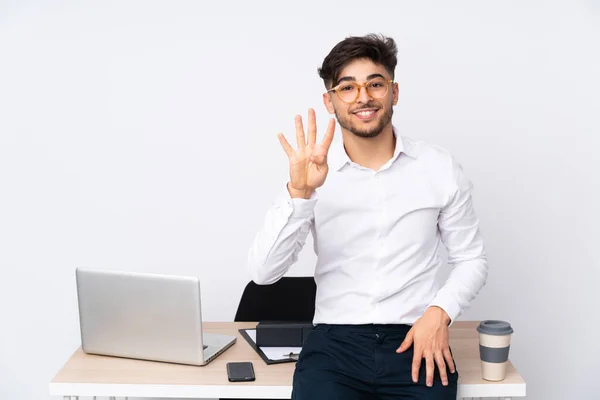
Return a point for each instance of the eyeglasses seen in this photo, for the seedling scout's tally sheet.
(348, 92)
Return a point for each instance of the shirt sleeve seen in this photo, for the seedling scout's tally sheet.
(283, 234)
(459, 229)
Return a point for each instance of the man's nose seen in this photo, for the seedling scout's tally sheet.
(363, 95)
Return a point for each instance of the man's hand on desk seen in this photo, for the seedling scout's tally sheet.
(430, 337)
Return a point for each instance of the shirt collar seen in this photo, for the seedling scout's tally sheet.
(340, 157)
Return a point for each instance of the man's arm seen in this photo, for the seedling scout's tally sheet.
(276, 245)
(459, 229)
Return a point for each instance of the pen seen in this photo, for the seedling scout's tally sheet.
(292, 355)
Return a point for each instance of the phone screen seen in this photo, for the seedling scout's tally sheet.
(240, 371)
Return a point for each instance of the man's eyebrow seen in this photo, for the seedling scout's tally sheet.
(353, 79)
(344, 79)
(372, 76)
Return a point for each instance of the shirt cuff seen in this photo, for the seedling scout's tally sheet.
(445, 301)
(300, 208)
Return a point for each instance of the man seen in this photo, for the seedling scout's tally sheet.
(378, 206)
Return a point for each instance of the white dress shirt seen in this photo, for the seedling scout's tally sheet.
(377, 236)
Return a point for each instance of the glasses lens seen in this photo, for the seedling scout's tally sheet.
(347, 92)
(377, 87)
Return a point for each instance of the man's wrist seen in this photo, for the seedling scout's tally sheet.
(299, 194)
(443, 314)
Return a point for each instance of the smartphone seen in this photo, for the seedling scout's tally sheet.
(240, 372)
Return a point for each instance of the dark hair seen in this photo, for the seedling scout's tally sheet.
(378, 48)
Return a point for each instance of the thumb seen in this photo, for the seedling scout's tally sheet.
(406, 343)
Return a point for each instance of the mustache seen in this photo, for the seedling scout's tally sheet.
(366, 107)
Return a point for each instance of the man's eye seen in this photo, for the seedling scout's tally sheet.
(346, 88)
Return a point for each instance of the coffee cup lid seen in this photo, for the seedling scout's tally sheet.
(494, 327)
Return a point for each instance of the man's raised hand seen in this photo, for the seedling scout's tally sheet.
(308, 163)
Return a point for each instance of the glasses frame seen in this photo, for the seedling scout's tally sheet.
(360, 86)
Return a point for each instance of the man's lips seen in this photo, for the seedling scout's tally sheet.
(366, 113)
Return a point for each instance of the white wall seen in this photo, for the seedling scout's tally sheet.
(142, 136)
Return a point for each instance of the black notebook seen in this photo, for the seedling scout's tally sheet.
(271, 355)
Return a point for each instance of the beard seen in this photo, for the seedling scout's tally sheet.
(371, 130)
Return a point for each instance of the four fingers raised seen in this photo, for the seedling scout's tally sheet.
(312, 134)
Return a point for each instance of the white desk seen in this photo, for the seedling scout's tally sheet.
(89, 375)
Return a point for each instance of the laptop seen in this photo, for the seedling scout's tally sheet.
(145, 316)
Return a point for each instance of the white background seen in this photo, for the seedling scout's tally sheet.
(141, 136)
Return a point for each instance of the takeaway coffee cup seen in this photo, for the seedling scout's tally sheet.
(494, 345)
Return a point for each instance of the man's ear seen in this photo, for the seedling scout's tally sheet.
(328, 103)
(396, 92)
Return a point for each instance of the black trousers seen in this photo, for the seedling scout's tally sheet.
(356, 362)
